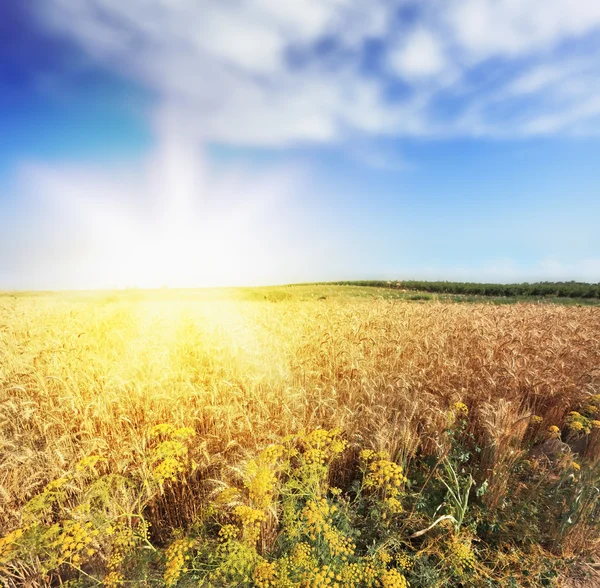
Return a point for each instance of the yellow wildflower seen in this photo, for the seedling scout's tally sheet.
(176, 556)
(392, 579)
(460, 408)
(265, 575)
(554, 431)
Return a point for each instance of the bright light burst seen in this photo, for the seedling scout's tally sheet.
(171, 220)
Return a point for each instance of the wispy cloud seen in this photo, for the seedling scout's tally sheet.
(418, 54)
(231, 66)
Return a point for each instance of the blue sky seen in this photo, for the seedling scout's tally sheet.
(237, 142)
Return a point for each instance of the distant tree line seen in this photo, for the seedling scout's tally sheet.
(550, 289)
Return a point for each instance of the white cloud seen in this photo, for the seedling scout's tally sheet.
(555, 122)
(228, 65)
(420, 54)
(514, 27)
(540, 78)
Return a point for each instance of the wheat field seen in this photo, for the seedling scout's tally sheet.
(91, 376)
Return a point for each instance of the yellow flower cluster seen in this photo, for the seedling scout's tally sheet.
(351, 574)
(89, 463)
(326, 577)
(272, 454)
(314, 456)
(227, 495)
(578, 423)
(593, 406)
(302, 556)
(339, 545)
(169, 460)
(261, 483)
(393, 504)
(122, 543)
(170, 457)
(113, 579)
(250, 519)
(554, 432)
(316, 515)
(301, 569)
(460, 408)
(285, 571)
(305, 458)
(321, 445)
(384, 476)
(176, 556)
(42, 504)
(228, 533)
(393, 579)
(536, 420)
(57, 484)
(237, 562)
(74, 542)
(404, 562)
(585, 422)
(162, 430)
(461, 556)
(293, 524)
(369, 573)
(385, 473)
(265, 575)
(8, 545)
(367, 455)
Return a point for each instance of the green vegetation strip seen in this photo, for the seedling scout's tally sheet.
(538, 289)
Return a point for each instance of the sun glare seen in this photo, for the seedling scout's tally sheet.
(179, 225)
(182, 258)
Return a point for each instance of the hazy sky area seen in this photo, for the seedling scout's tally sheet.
(225, 142)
